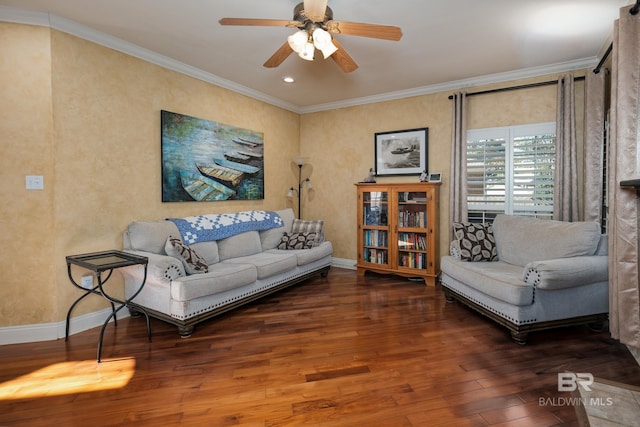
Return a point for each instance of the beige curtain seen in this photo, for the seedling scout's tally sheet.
(594, 119)
(565, 203)
(624, 309)
(458, 181)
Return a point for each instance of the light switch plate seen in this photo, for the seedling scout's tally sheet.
(35, 182)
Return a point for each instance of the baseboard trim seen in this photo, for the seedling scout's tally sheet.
(343, 263)
(53, 331)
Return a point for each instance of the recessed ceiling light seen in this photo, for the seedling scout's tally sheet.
(288, 79)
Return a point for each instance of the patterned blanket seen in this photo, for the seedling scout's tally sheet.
(203, 228)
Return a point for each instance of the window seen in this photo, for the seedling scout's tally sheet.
(511, 170)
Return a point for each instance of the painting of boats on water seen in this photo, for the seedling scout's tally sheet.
(204, 160)
(402, 152)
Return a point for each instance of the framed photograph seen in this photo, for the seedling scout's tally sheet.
(402, 152)
(435, 177)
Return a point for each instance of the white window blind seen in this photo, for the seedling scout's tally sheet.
(510, 170)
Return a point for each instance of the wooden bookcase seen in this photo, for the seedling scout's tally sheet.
(398, 229)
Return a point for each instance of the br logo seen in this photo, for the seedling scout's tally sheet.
(568, 381)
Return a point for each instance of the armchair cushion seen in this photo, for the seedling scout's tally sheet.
(521, 240)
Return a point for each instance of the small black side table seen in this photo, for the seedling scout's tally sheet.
(101, 262)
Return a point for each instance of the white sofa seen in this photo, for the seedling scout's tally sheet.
(546, 274)
(240, 268)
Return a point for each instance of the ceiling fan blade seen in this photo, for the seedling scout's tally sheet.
(386, 32)
(315, 9)
(280, 55)
(342, 58)
(260, 22)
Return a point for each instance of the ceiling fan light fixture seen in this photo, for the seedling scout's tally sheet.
(322, 41)
(298, 40)
(307, 52)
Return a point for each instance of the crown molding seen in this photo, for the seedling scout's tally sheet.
(458, 84)
(21, 16)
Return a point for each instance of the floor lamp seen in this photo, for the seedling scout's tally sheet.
(300, 162)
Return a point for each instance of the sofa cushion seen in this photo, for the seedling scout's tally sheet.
(521, 240)
(220, 278)
(270, 238)
(208, 251)
(193, 263)
(475, 242)
(150, 236)
(267, 264)
(297, 241)
(243, 244)
(303, 226)
(499, 279)
(306, 256)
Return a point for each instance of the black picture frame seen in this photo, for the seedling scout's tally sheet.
(402, 152)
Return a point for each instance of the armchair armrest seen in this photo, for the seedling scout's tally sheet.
(564, 273)
(161, 268)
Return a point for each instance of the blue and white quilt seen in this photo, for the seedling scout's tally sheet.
(204, 228)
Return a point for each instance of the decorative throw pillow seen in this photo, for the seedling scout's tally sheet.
(193, 263)
(297, 241)
(303, 226)
(475, 241)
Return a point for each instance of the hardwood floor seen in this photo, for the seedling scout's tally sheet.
(337, 351)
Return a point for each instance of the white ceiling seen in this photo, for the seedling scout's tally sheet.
(445, 44)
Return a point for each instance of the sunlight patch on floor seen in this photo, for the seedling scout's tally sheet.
(70, 377)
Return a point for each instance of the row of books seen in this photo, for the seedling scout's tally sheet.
(376, 238)
(415, 241)
(412, 219)
(376, 256)
(413, 260)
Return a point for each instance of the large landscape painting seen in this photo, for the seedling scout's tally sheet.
(207, 161)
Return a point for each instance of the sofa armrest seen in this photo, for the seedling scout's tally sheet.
(561, 273)
(161, 268)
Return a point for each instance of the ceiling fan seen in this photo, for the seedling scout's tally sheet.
(314, 20)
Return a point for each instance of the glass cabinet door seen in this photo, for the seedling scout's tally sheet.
(375, 230)
(412, 230)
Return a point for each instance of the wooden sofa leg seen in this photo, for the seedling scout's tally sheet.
(519, 337)
(448, 296)
(598, 326)
(134, 312)
(185, 331)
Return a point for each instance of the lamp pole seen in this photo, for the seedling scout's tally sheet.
(300, 161)
(299, 189)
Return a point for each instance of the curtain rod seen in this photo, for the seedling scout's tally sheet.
(504, 89)
(633, 11)
(605, 56)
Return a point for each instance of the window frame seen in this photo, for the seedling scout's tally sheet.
(486, 211)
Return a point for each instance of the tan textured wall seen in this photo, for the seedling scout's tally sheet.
(88, 119)
(340, 146)
(27, 273)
